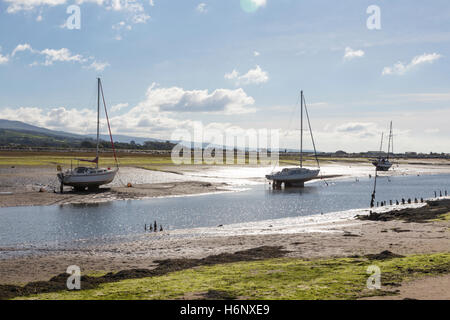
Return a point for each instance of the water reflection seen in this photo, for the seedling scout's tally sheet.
(87, 205)
(294, 190)
(66, 223)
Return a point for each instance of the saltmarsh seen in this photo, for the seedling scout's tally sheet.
(137, 160)
(280, 278)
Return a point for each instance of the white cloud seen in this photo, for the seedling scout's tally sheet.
(73, 120)
(3, 59)
(202, 8)
(256, 53)
(362, 129)
(140, 18)
(253, 76)
(118, 25)
(401, 68)
(119, 106)
(176, 99)
(26, 5)
(157, 116)
(134, 9)
(351, 54)
(61, 55)
(358, 132)
(232, 75)
(22, 47)
(98, 66)
(39, 18)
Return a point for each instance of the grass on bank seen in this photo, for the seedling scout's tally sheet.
(443, 217)
(281, 278)
(28, 158)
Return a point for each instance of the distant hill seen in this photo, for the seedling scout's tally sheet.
(17, 133)
(22, 126)
(24, 134)
(14, 137)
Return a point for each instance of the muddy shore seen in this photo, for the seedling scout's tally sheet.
(348, 237)
(45, 197)
(400, 233)
(38, 186)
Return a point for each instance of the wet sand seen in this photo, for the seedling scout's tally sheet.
(334, 238)
(429, 288)
(38, 186)
(46, 197)
(342, 235)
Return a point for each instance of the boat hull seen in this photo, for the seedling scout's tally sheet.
(382, 165)
(290, 177)
(87, 180)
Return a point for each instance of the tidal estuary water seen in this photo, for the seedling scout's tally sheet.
(59, 225)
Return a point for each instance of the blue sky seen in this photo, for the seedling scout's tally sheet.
(169, 64)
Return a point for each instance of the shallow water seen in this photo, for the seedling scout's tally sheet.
(59, 225)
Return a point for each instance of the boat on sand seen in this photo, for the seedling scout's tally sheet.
(296, 177)
(383, 163)
(92, 178)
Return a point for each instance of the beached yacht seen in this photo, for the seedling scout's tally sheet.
(296, 177)
(87, 177)
(293, 177)
(383, 163)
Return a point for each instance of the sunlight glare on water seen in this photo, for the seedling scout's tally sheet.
(60, 224)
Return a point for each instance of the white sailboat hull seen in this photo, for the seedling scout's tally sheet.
(293, 175)
(86, 177)
(296, 176)
(89, 179)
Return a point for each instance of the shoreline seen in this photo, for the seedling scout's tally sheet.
(341, 236)
(320, 236)
(36, 186)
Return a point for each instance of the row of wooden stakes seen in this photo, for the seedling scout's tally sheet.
(409, 201)
(153, 227)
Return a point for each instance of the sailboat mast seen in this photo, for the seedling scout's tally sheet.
(392, 141)
(301, 129)
(98, 118)
(381, 144)
(389, 143)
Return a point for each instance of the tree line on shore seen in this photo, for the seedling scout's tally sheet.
(19, 139)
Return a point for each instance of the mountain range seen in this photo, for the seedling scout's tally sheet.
(21, 133)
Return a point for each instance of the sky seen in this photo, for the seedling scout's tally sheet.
(168, 65)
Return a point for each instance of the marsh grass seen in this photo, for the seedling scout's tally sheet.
(280, 278)
(48, 159)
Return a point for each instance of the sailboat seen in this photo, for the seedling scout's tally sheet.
(296, 177)
(383, 163)
(81, 178)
